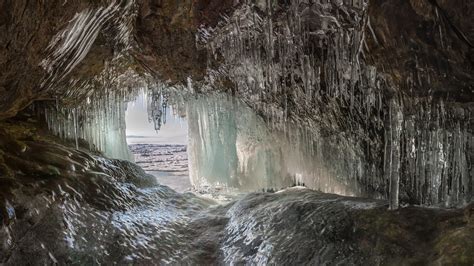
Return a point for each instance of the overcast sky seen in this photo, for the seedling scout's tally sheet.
(175, 131)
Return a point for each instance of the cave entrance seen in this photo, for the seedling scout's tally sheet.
(160, 150)
(230, 149)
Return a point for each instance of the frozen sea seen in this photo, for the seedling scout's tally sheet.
(167, 162)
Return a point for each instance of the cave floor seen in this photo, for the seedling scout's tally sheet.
(63, 205)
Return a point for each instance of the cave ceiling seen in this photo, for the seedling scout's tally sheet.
(423, 48)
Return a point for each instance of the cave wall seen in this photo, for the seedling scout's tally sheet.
(425, 46)
(47, 47)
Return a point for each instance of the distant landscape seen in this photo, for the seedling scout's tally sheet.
(161, 157)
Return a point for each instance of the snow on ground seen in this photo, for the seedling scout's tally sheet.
(161, 157)
(167, 162)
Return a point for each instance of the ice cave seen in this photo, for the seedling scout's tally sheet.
(237, 132)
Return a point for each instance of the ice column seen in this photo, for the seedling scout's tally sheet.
(392, 151)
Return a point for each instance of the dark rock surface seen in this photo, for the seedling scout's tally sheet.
(27, 28)
(424, 46)
(163, 41)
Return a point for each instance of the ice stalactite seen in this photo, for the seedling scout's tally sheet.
(428, 153)
(392, 151)
(156, 105)
(310, 58)
(437, 153)
(212, 143)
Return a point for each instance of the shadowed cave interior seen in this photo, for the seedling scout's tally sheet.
(209, 132)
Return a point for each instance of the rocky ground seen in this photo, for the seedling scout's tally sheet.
(62, 205)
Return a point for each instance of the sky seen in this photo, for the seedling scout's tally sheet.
(139, 130)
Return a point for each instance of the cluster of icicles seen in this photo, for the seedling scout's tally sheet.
(303, 61)
(100, 122)
(99, 118)
(97, 114)
(231, 146)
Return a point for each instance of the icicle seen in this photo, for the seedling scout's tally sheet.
(395, 119)
(74, 114)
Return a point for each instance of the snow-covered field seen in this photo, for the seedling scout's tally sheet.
(161, 157)
(167, 162)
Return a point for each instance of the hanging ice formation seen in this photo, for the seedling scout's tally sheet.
(157, 105)
(303, 61)
(100, 118)
(231, 146)
(95, 108)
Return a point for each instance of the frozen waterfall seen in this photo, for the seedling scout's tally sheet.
(231, 146)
